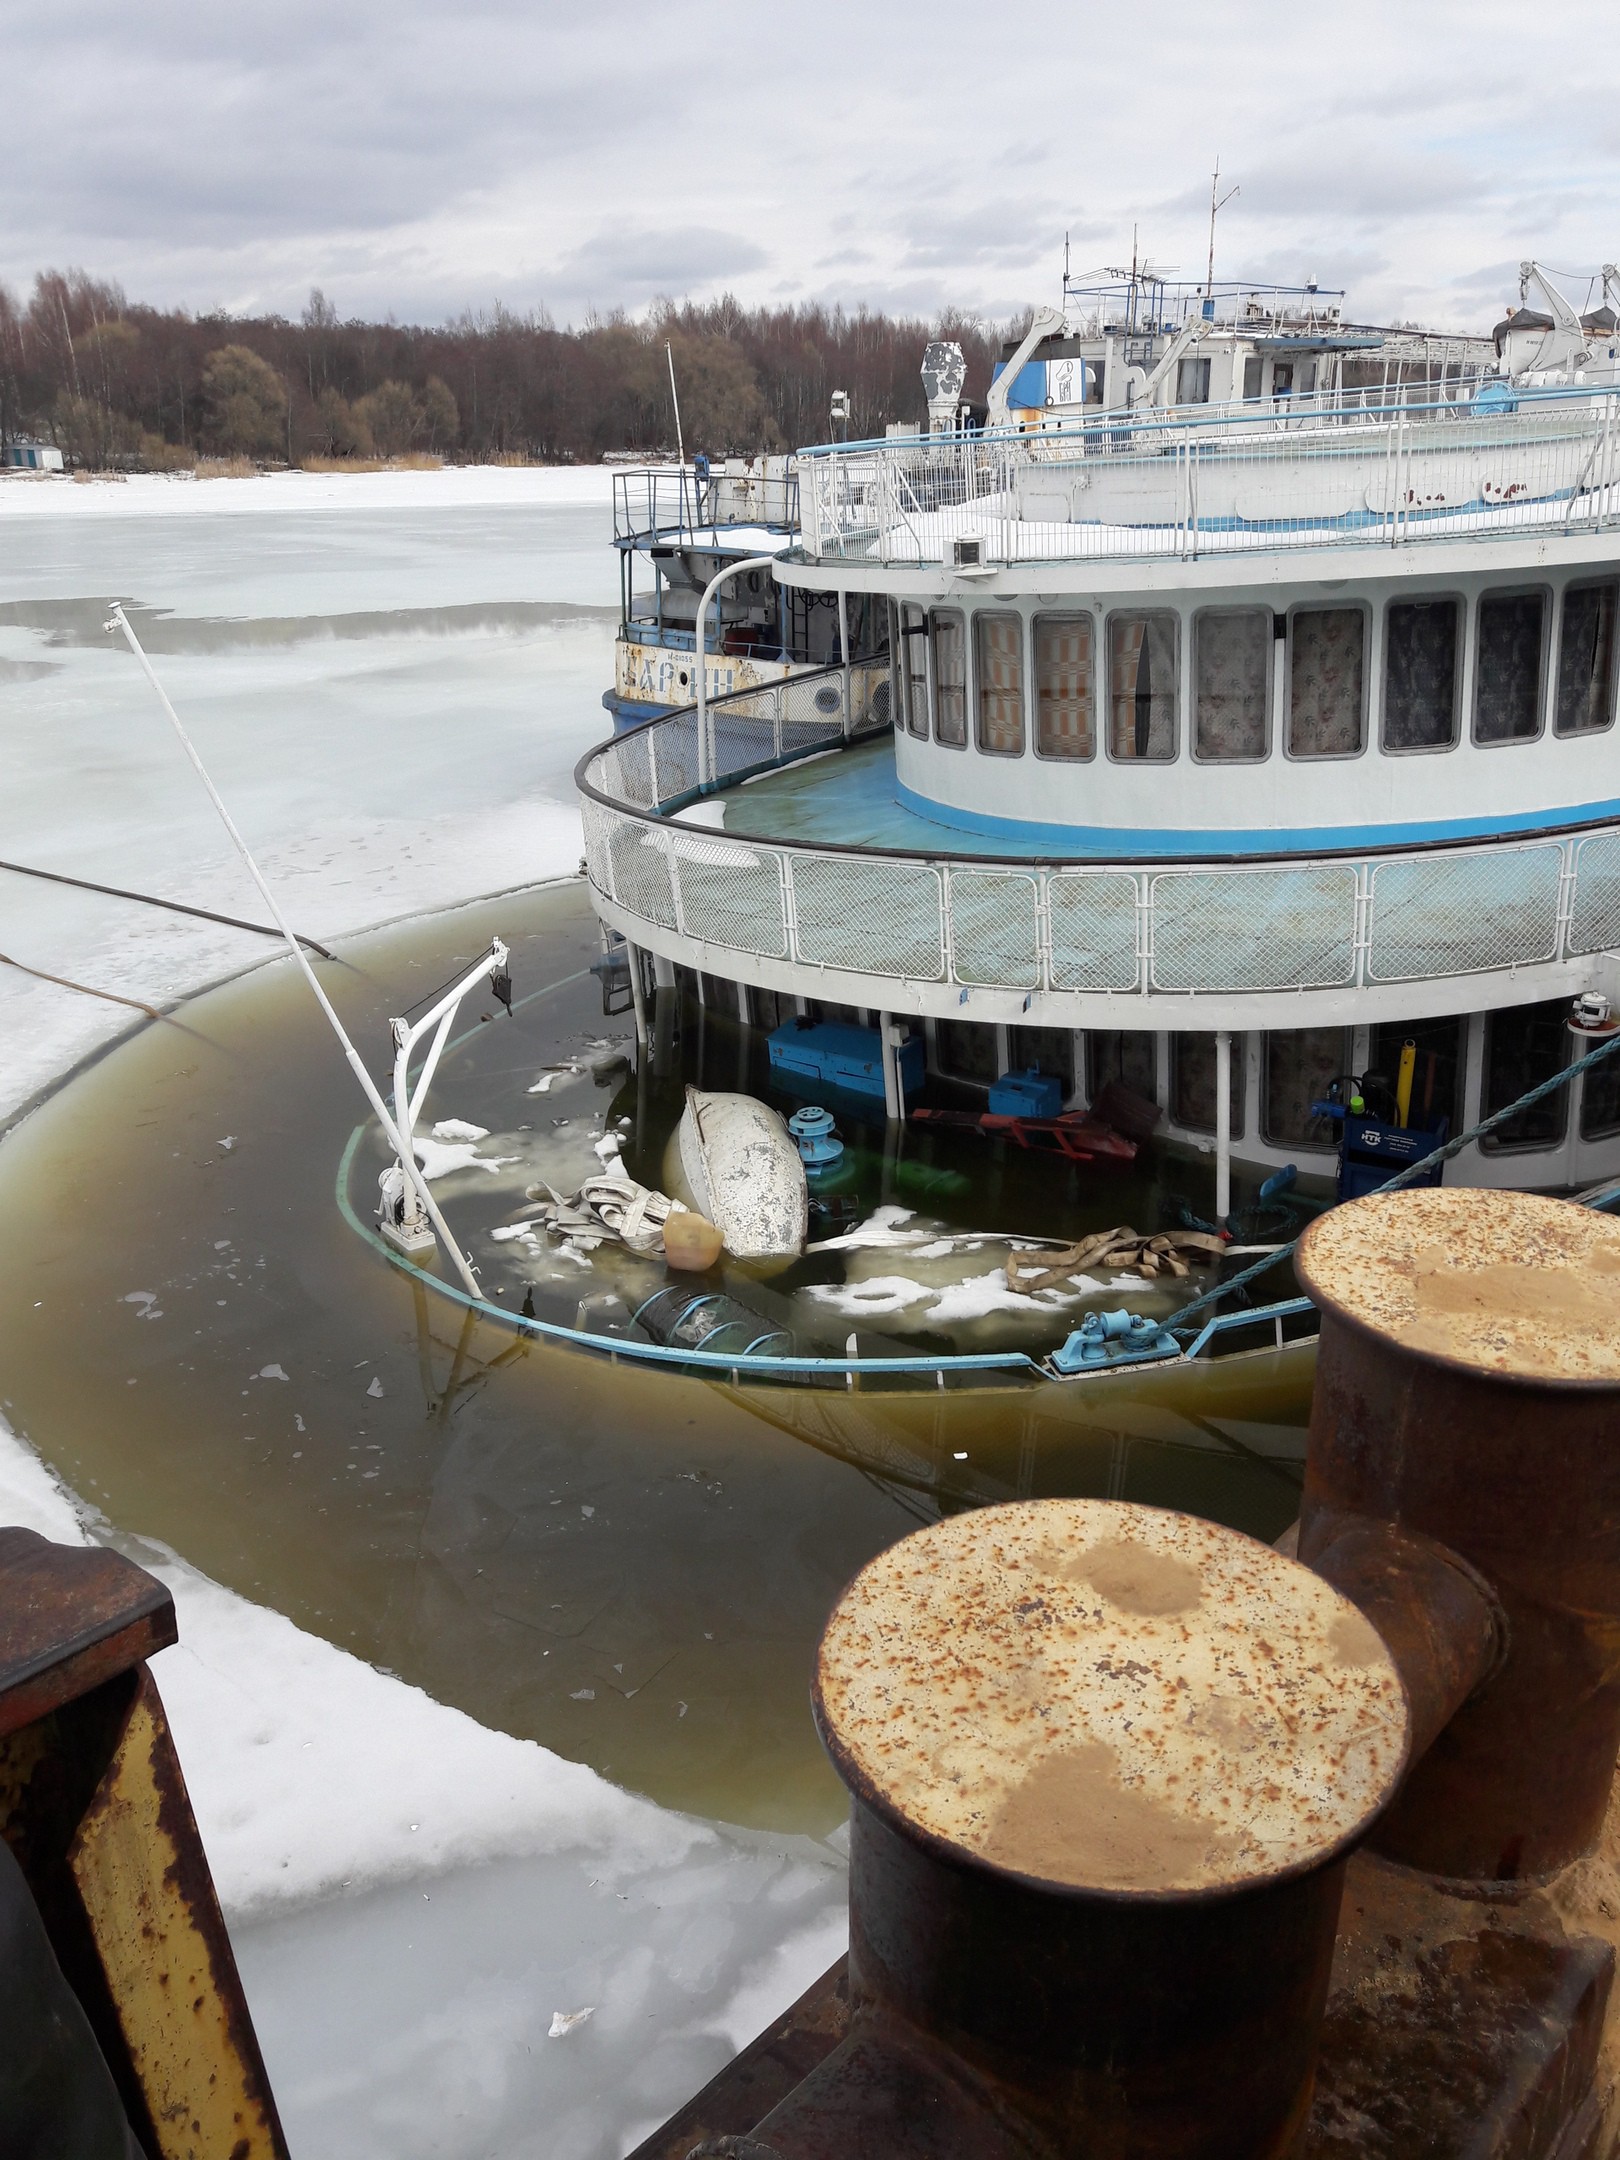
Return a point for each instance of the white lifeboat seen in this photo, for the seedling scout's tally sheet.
(745, 1174)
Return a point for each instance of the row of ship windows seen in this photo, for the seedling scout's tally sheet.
(1523, 1046)
(1517, 661)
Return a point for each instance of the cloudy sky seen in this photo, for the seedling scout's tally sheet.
(418, 157)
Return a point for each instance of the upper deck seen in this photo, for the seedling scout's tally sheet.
(741, 506)
(1193, 486)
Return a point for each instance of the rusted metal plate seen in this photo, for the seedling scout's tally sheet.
(1458, 2030)
(1111, 1698)
(1468, 1393)
(70, 1617)
(157, 1929)
(766, 2071)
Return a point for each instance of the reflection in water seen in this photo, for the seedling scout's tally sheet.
(629, 1565)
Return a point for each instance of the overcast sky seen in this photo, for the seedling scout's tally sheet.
(418, 157)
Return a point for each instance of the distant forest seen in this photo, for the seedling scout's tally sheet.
(119, 386)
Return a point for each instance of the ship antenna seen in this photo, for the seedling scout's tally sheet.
(1217, 202)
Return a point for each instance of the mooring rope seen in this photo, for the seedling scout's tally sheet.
(1441, 1154)
(176, 907)
(65, 982)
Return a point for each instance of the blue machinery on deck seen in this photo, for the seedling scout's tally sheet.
(1103, 1343)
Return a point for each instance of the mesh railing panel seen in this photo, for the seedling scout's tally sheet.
(874, 917)
(641, 880)
(730, 895)
(598, 822)
(995, 928)
(1093, 930)
(1292, 929)
(1464, 914)
(1594, 921)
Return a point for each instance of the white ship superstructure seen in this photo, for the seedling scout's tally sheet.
(1233, 735)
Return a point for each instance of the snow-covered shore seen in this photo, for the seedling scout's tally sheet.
(413, 1896)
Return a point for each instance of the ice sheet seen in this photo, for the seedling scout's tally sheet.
(412, 1895)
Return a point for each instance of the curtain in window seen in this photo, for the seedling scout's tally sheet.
(1420, 675)
(950, 681)
(1326, 682)
(1063, 661)
(1507, 671)
(1299, 1065)
(1586, 659)
(1231, 682)
(914, 668)
(1524, 1045)
(999, 653)
(1142, 671)
(1192, 1082)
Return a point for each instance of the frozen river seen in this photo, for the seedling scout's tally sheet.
(391, 678)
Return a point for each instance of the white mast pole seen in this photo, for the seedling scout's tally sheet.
(406, 1155)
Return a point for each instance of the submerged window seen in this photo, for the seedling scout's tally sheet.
(1600, 1100)
(998, 640)
(1524, 1046)
(1326, 682)
(912, 661)
(1231, 682)
(966, 1050)
(950, 681)
(1049, 1050)
(1298, 1067)
(1063, 663)
(1586, 662)
(1143, 666)
(1507, 667)
(1192, 1082)
(1130, 1056)
(1437, 1070)
(1420, 675)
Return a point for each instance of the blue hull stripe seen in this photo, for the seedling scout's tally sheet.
(1114, 840)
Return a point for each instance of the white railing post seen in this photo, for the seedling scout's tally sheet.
(731, 570)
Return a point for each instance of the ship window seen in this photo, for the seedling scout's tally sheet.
(1251, 375)
(1525, 1045)
(1143, 665)
(913, 668)
(1231, 683)
(966, 1050)
(1298, 1067)
(1049, 1050)
(1420, 675)
(1063, 721)
(1600, 1100)
(950, 681)
(1192, 382)
(1192, 1082)
(998, 657)
(1507, 666)
(1437, 1070)
(1586, 659)
(1326, 682)
(1129, 1056)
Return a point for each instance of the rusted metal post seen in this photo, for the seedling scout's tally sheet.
(1465, 1425)
(94, 1807)
(1106, 1763)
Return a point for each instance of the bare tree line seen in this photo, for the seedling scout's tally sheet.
(117, 384)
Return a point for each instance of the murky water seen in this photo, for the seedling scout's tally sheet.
(630, 1566)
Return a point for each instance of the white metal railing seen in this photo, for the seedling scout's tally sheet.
(1123, 928)
(1199, 480)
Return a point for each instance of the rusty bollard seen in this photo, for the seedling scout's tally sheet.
(1463, 1485)
(93, 1806)
(1105, 1764)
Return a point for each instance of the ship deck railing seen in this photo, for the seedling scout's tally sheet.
(676, 506)
(1359, 469)
(1278, 927)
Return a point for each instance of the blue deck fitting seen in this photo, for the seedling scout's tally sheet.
(1114, 1338)
(812, 1129)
